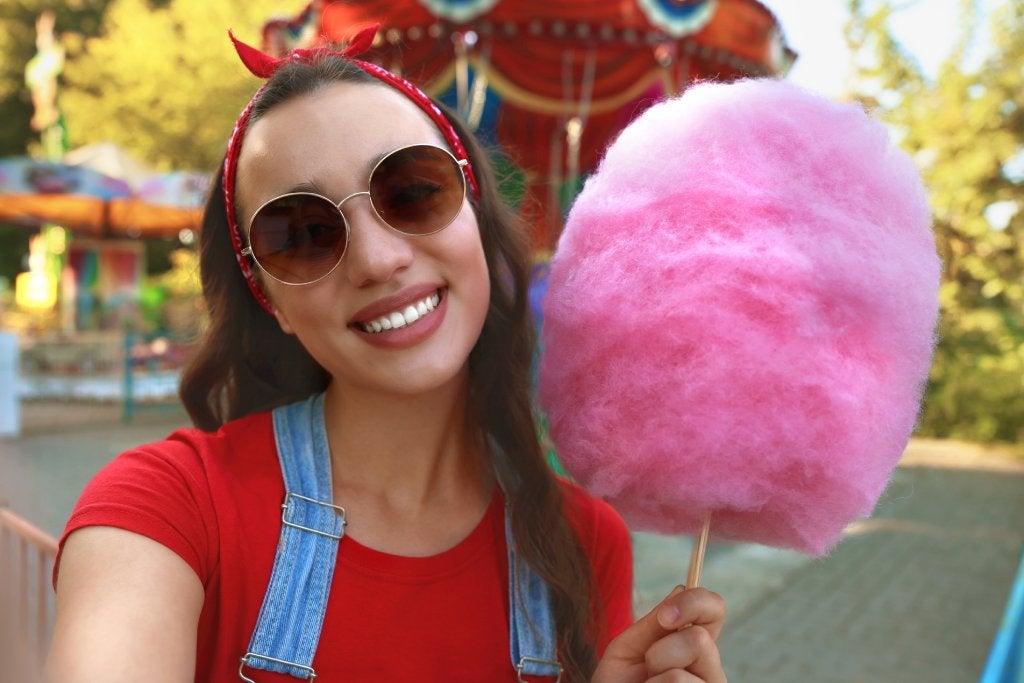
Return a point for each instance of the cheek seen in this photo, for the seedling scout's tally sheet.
(479, 288)
(279, 312)
(473, 263)
(295, 308)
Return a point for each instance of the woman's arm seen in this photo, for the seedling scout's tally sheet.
(127, 610)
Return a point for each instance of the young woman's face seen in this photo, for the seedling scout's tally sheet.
(328, 142)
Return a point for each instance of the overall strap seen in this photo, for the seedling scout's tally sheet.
(531, 626)
(288, 627)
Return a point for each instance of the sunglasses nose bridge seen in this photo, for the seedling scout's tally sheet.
(352, 196)
(373, 208)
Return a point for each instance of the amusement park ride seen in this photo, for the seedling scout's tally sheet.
(550, 82)
(547, 84)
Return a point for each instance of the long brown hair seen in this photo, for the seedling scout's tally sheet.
(245, 363)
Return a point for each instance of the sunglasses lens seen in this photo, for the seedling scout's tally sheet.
(298, 238)
(418, 190)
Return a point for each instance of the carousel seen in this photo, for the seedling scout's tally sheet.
(549, 83)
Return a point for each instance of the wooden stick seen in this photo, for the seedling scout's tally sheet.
(697, 558)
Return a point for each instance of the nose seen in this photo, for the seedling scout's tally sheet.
(375, 251)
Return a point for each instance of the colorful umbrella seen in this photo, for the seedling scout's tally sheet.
(163, 204)
(34, 192)
(91, 204)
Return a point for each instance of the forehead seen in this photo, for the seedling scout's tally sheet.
(343, 107)
(336, 132)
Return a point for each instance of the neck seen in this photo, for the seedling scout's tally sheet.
(412, 471)
(407, 450)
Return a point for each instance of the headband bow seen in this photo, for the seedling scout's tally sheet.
(264, 66)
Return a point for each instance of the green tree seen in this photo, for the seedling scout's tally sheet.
(162, 80)
(965, 128)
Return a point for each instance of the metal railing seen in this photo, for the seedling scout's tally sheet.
(26, 597)
(157, 360)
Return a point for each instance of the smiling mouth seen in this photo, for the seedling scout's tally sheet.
(396, 320)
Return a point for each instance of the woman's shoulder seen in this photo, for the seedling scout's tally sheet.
(189, 448)
(193, 465)
(172, 490)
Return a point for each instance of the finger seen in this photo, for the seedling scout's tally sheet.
(695, 606)
(631, 645)
(674, 676)
(691, 649)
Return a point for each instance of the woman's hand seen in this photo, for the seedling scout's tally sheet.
(674, 643)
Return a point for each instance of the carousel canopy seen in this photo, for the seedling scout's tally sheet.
(100, 191)
(550, 82)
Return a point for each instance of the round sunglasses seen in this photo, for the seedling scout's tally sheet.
(300, 238)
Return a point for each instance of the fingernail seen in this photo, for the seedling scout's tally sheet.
(668, 615)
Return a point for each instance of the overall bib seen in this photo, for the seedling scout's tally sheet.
(288, 627)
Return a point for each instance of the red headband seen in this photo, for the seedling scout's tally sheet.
(264, 66)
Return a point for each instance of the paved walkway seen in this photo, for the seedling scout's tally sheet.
(912, 595)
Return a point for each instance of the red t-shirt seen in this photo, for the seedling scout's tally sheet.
(215, 500)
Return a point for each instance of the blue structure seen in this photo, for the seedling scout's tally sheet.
(1006, 658)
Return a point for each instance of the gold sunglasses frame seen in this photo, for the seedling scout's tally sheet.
(460, 165)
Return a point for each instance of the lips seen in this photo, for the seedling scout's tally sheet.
(403, 316)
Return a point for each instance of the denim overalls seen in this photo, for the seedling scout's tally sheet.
(288, 627)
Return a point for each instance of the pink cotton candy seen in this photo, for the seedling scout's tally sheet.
(740, 316)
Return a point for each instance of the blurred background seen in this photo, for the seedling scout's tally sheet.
(130, 103)
(114, 113)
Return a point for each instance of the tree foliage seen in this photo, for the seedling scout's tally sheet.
(162, 80)
(964, 126)
(159, 78)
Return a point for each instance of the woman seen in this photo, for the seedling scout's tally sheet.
(365, 497)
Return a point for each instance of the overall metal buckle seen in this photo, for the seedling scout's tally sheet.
(310, 673)
(340, 511)
(522, 664)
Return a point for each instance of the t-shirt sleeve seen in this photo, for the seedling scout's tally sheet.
(160, 491)
(608, 545)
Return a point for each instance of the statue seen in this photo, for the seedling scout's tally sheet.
(41, 78)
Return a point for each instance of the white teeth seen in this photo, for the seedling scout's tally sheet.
(407, 316)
